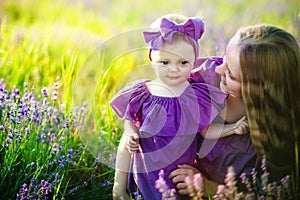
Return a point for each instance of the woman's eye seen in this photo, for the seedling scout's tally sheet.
(230, 75)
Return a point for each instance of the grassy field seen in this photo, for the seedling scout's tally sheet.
(60, 63)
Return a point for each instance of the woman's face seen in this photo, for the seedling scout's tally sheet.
(230, 70)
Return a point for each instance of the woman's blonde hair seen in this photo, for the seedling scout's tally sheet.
(270, 67)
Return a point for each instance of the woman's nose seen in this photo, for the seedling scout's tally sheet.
(221, 69)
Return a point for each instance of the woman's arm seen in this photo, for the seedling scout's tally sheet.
(218, 130)
(179, 175)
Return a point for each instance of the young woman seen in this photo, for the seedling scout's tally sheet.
(262, 68)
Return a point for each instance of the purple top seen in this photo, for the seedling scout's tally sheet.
(168, 127)
(234, 150)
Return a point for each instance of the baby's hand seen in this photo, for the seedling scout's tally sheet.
(133, 142)
(242, 126)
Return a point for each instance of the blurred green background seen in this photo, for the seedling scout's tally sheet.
(42, 39)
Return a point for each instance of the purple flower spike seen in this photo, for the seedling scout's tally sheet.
(45, 92)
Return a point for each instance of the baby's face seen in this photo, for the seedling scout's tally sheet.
(173, 63)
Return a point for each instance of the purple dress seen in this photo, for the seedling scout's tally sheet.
(168, 128)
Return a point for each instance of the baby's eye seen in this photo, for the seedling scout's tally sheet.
(164, 62)
(184, 62)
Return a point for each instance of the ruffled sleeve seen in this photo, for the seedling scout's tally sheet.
(211, 102)
(127, 102)
(204, 71)
(205, 76)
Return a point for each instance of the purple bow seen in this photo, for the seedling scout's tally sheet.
(193, 27)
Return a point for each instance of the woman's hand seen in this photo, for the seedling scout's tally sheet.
(242, 126)
(184, 172)
(179, 175)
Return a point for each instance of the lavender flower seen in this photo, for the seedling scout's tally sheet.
(229, 190)
(23, 193)
(161, 186)
(99, 157)
(253, 175)
(285, 182)
(45, 92)
(198, 185)
(36, 129)
(32, 164)
(230, 180)
(195, 186)
(54, 95)
(70, 153)
(221, 192)
(16, 93)
(54, 148)
(2, 85)
(55, 89)
(265, 180)
(105, 183)
(62, 107)
(8, 141)
(246, 182)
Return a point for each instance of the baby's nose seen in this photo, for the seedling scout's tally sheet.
(173, 67)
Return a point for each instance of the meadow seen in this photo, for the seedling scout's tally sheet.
(60, 64)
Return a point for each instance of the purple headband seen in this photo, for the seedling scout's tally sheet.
(192, 30)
